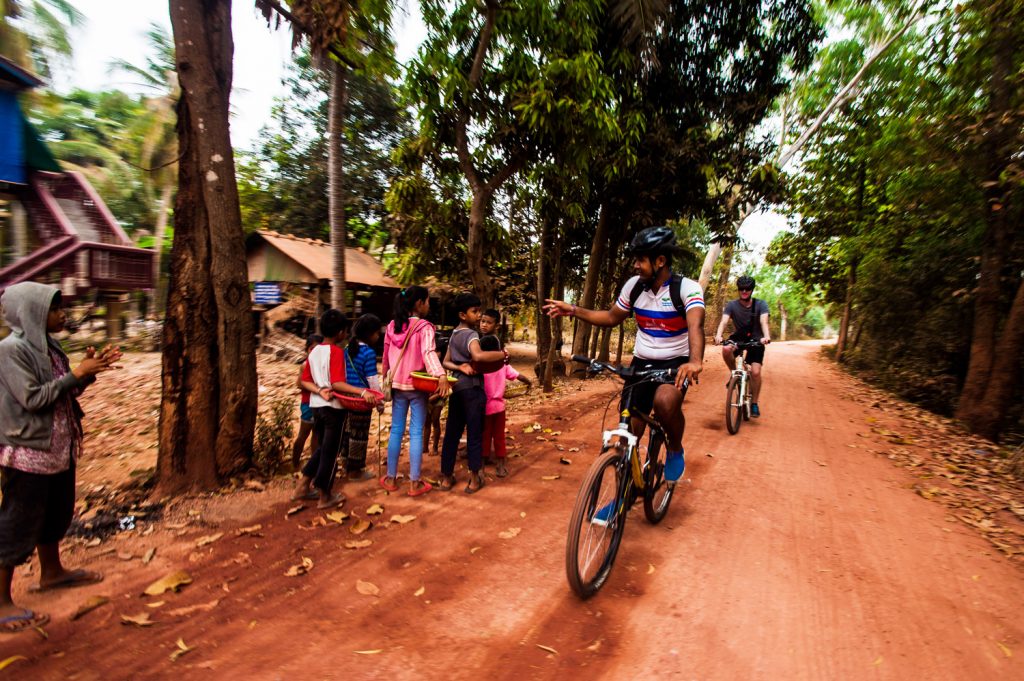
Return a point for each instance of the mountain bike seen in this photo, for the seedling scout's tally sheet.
(619, 476)
(738, 397)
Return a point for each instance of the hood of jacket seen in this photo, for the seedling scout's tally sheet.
(26, 307)
(397, 339)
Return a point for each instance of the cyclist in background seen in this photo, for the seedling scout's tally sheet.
(669, 313)
(750, 323)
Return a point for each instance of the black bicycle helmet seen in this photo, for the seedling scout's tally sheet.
(745, 282)
(653, 241)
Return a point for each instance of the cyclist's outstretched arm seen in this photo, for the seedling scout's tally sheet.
(560, 308)
(766, 336)
(721, 329)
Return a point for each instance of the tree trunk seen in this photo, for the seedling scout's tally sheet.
(844, 324)
(209, 397)
(709, 265)
(984, 383)
(544, 270)
(783, 319)
(336, 181)
(590, 285)
(721, 286)
(554, 356)
(483, 285)
(604, 351)
(159, 291)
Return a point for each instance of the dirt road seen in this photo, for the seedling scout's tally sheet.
(794, 551)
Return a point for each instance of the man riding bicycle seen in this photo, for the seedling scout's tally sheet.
(750, 323)
(668, 308)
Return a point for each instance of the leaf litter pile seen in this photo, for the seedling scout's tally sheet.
(969, 475)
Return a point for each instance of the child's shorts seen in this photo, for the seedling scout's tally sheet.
(36, 509)
(306, 413)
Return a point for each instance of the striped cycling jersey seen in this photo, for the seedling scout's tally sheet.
(661, 329)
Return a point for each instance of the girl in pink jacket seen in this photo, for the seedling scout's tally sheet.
(408, 347)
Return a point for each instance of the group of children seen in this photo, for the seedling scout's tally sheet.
(475, 395)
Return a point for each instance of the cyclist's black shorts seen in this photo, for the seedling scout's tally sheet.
(643, 394)
(754, 355)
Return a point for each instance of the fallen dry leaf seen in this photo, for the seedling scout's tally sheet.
(294, 509)
(302, 568)
(475, 549)
(1005, 648)
(548, 648)
(522, 514)
(420, 591)
(595, 646)
(650, 568)
(550, 477)
(95, 541)
(138, 620)
(368, 652)
(574, 449)
(155, 604)
(376, 509)
(337, 516)
(251, 529)
(11, 660)
(564, 460)
(367, 588)
(172, 582)
(182, 649)
(360, 526)
(148, 556)
(89, 606)
(192, 609)
(402, 519)
(208, 539)
(509, 533)
(360, 544)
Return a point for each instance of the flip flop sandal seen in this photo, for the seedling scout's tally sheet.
(333, 502)
(391, 488)
(422, 489)
(447, 483)
(14, 624)
(473, 490)
(501, 470)
(74, 579)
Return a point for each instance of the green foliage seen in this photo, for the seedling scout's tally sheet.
(36, 34)
(806, 315)
(283, 183)
(273, 437)
(897, 189)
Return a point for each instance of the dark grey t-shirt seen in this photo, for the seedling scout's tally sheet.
(458, 350)
(746, 321)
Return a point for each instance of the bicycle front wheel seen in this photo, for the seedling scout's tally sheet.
(657, 492)
(733, 406)
(595, 529)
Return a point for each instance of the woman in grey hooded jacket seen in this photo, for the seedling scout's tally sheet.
(40, 440)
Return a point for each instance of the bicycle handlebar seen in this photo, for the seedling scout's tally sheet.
(743, 345)
(596, 367)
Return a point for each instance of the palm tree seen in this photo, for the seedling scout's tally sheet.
(342, 35)
(37, 36)
(155, 136)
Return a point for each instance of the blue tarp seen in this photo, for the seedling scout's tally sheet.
(12, 140)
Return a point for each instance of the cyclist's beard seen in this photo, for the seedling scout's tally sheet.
(648, 282)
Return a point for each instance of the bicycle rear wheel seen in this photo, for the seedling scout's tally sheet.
(596, 526)
(733, 406)
(657, 492)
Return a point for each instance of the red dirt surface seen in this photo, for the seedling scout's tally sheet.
(793, 550)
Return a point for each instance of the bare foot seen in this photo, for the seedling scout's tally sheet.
(67, 579)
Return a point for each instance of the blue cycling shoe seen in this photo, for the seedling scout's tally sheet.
(755, 411)
(675, 464)
(604, 514)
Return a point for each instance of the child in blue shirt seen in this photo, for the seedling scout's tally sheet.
(361, 365)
